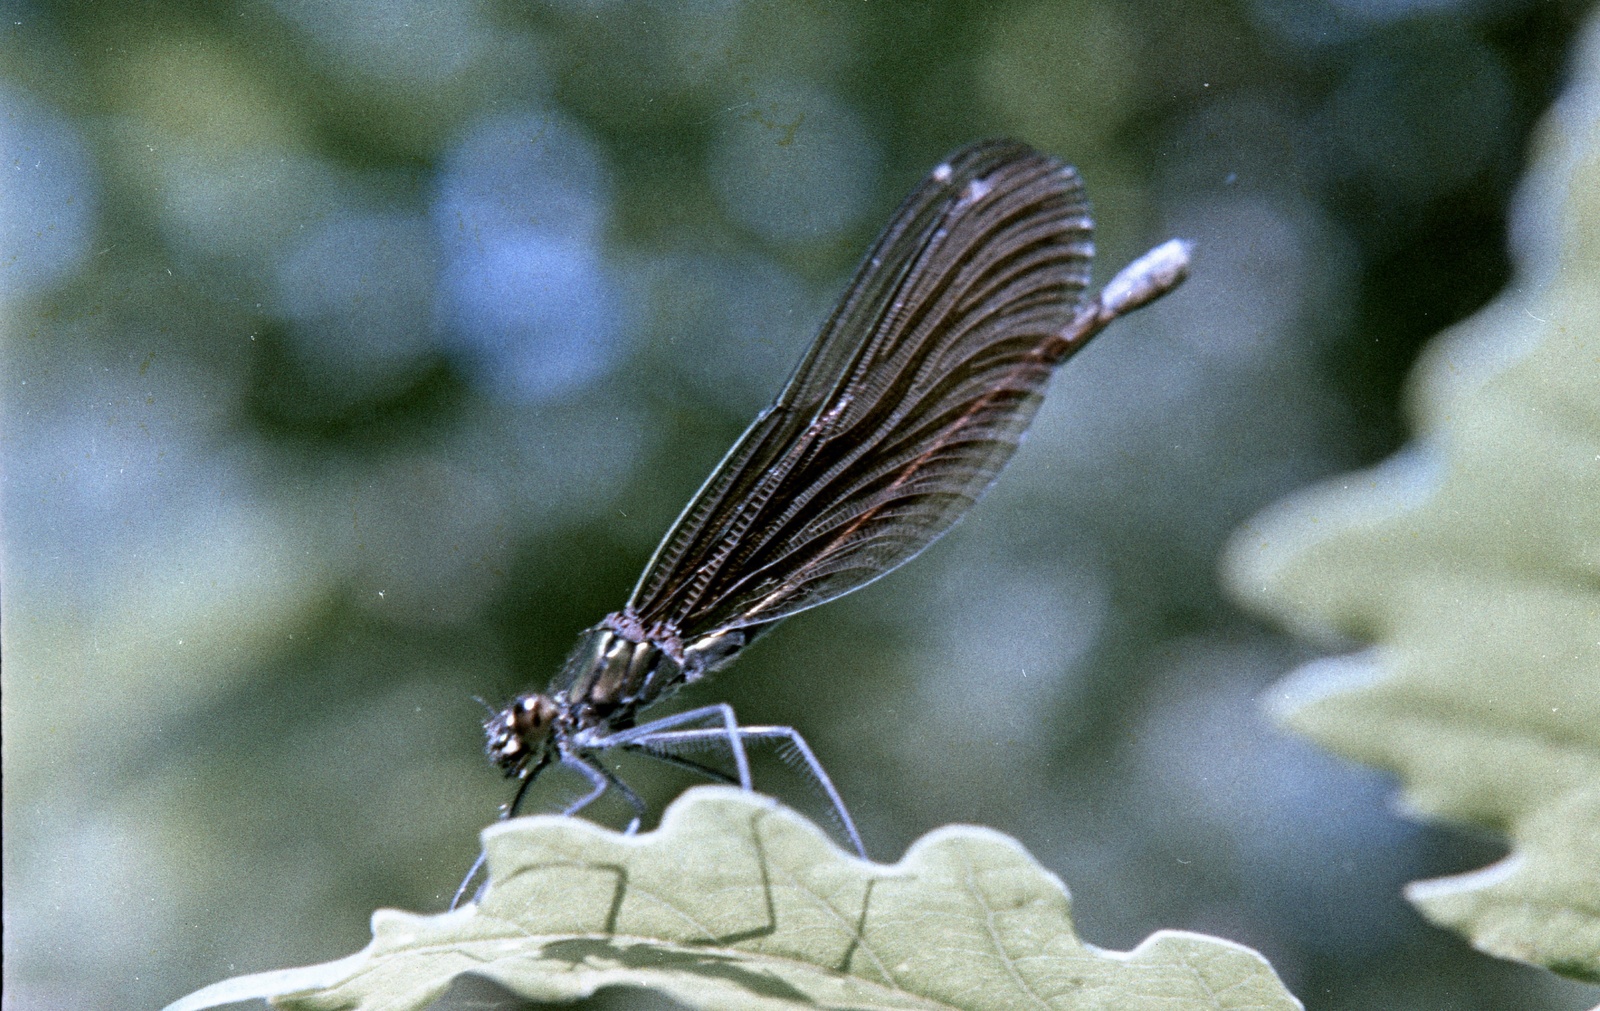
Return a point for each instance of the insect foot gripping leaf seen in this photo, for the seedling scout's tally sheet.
(1472, 564)
(736, 902)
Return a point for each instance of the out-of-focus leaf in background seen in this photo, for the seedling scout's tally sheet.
(355, 356)
(1471, 562)
(739, 903)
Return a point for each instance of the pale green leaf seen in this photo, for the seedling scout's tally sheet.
(738, 902)
(1471, 564)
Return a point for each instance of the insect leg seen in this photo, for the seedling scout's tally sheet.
(510, 810)
(632, 798)
(598, 777)
(698, 768)
(461, 890)
(665, 738)
(730, 731)
(507, 811)
(818, 774)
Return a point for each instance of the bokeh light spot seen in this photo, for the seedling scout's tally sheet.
(360, 287)
(47, 196)
(527, 293)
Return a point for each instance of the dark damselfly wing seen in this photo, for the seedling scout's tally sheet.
(913, 398)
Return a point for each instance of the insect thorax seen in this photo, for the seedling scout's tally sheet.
(610, 674)
(622, 665)
(618, 668)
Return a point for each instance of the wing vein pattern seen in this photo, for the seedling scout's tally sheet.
(901, 415)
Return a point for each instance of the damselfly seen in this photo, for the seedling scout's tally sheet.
(914, 396)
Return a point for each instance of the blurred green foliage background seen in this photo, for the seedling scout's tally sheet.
(357, 354)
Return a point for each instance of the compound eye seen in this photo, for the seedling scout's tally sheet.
(519, 730)
(535, 714)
